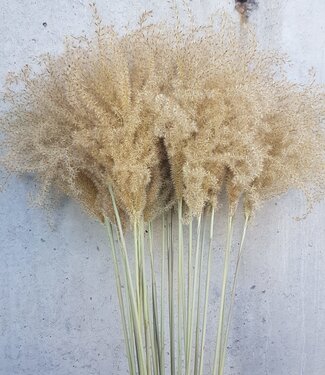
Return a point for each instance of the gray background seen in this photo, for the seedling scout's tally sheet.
(58, 307)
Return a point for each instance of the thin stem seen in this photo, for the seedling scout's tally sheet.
(137, 329)
(171, 294)
(192, 307)
(133, 346)
(181, 292)
(123, 310)
(162, 304)
(136, 256)
(145, 307)
(189, 292)
(155, 326)
(223, 296)
(137, 279)
(198, 308)
(207, 286)
(232, 295)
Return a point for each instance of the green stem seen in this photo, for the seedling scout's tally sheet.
(136, 256)
(189, 293)
(137, 329)
(171, 294)
(207, 286)
(223, 297)
(137, 280)
(155, 325)
(144, 296)
(162, 302)
(198, 309)
(232, 295)
(193, 302)
(123, 310)
(181, 292)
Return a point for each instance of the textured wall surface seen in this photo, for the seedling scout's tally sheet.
(58, 307)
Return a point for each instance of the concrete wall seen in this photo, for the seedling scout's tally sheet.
(58, 307)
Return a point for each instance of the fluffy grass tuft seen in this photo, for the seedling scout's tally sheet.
(157, 120)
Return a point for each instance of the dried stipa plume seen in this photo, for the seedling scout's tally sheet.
(133, 123)
(163, 109)
(85, 122)
(244, 124)
(296, 145)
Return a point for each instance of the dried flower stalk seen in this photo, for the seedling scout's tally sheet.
(166, 115)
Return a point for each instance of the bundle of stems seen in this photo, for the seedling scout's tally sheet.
(147, 128)
(164, 301)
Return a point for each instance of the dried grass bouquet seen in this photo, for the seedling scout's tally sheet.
(156, 122)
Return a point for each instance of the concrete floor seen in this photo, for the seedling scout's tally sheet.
(58, 308)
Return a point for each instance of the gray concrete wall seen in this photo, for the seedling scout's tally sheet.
(58, 307)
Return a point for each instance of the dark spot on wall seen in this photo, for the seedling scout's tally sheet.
(245, 7)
